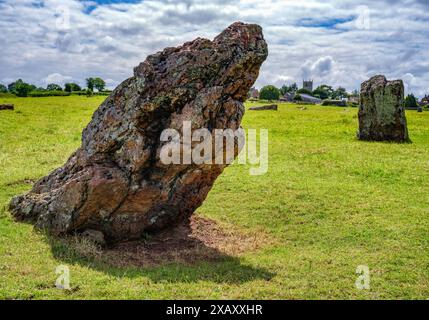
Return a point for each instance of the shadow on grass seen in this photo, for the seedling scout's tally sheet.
(198, 250)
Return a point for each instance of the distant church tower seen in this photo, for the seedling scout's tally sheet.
(308, 85)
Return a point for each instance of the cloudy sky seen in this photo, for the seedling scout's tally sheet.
(338, 42)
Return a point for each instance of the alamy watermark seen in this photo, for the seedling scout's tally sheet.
(62, 18)
(219, 147)
(63, 280)
(363, 281)
(363, 21)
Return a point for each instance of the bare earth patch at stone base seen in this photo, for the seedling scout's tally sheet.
(195, 240)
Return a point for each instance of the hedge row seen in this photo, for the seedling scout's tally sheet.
(48, 93)
(85, 93)
(55, 93)
(7, 95)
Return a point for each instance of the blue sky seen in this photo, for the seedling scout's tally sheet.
(104, 2)
(339, 42)
(92, 5)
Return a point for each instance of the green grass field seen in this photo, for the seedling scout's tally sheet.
(330, 202)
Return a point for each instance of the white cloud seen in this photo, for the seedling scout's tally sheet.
(56, 78)
(320, 68)
(410, 82)
(315, 38)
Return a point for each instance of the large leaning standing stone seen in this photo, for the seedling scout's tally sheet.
(381, 111)
(115, 182)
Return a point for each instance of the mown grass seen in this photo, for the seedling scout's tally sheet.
(330, 201)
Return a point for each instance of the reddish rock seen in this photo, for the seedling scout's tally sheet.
(115, 182)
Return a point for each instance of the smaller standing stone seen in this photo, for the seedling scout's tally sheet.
(381, 111)
(6, 107)
(335, 103)
(268, 107)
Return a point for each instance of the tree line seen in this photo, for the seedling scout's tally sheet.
(21, 88)
(323, 92)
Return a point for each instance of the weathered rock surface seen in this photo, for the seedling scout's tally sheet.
(6, 107)
(381, 111)
(115, 182)
(262, 108)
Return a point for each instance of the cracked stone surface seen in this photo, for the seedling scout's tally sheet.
(381, 111)
(115, 182)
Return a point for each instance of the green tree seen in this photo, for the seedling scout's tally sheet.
(411, 101)
(3, 88)
(70, 87)
(90, 84)
(339, 94)
(22, 89)
(99, 84)
(304, 91)
(297, 97)
(12, 86)
(54, 87)
(355, 93)
(323, 92)
(288, 89)
(269, 93)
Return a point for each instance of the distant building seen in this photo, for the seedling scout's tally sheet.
(254, 93)
(353, 99)
(308, 85)
(310, 99)
(288, 97)
(424, 101)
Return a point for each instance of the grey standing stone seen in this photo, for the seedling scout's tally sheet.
(381, 111)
